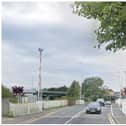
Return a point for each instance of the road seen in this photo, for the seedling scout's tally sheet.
(75, 115)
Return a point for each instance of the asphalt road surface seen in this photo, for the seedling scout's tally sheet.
(75, 115)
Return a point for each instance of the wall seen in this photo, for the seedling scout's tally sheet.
(122, 104)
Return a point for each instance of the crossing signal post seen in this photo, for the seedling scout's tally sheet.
(123, 93)
(18, 91)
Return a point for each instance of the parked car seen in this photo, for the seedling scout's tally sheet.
(108, 103)
(93, 107)
(101, 101)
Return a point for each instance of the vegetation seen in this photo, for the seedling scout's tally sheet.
(112, 18)
(73, 92)
(9, 114)
(6, 93)
(62, 88)
(92, 88)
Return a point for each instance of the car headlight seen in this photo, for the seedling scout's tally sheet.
(98, 108)
(87, 108)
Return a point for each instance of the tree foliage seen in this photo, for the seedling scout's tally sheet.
(92, 88)
(62, 88)
(112, 17)
(6, 93)
(74, 92)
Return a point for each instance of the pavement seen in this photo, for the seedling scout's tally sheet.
(26, 119)
(118, 116)
(73, 115)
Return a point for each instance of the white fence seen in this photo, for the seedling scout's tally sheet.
(36, 107)
(79, 101)
(56, 103)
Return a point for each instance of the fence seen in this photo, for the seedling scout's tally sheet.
(35, 107)
(25, 108)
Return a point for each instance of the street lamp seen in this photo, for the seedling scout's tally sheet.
(40, 77)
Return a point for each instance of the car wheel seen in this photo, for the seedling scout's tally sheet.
(87, 112)
(99, 112)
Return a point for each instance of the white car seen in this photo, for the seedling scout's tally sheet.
(108, 102)
(101, 101)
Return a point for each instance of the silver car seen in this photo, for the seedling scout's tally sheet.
(93, 107)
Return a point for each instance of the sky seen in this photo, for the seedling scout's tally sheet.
(68, 41)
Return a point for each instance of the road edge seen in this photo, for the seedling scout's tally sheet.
(113, 117)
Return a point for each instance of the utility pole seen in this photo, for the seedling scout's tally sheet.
(40, 77)
(125, 78)
(32, 83)
(80, 91)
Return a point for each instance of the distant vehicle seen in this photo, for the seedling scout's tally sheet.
(93, 107)
(101, 101)
(108, 103)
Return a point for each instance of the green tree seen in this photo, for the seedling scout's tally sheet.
(62, 88)
(6, 93)
(112, 18)
(73, 92)
(92, 88)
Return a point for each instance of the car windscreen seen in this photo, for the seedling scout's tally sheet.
(94, 104)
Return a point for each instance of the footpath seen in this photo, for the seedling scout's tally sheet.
(26, 119)
(118, 116)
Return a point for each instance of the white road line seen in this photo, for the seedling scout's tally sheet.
(114, 116)
(110, 119)
(74, 116)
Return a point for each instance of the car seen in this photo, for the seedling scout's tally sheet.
(93, 107)
(101, 101)
(108, 103)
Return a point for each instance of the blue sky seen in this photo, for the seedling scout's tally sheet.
(67, 39)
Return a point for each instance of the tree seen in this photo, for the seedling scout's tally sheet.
(73, 92)
(62, 88)
(112, 17)
(6, 93)
(92, 88)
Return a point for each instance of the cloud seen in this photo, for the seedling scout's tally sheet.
(36, 13)
(112, 60)
(30, 13)
(67, 40)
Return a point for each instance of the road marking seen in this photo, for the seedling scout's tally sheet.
(74, 116)
(111, 119)
(41, 117)
(114, 116)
